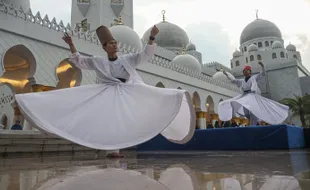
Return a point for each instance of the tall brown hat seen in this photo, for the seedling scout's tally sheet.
(104, 34)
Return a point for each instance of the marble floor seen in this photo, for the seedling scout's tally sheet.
(259, 170)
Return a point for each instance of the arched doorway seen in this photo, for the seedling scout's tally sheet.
(68, 75)
(160, 85)
(210, 105)
(196, 102)
(199, 115)
(19, 64)
(4, 121)
(210, 110)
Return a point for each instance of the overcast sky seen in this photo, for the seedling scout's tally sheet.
(213, 26)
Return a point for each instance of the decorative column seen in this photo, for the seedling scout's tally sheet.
(27, 126)
(201, 120)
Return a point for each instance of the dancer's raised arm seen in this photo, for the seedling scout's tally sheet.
(147, 53)
(83, 62)
(238, 82)
(262, 73)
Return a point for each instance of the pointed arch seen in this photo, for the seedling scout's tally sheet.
(68, 75)
(160, 85)
(196, 101)
(19, 65)
(210, 105)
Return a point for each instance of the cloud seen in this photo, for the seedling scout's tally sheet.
(212, 41)
(60, 9)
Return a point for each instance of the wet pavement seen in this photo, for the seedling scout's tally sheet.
(259, 170)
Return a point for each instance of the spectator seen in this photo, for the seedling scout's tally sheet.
(17, 126)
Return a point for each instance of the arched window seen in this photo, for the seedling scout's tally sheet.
(295, 56)
(237, 63)
(245, 49)
(271, 42)
(260, 44)
(259, 57)
(252, 58)
(231, 65)
(282, 55)
(266, 43)
(246, 60)
(286, 55)
(274, 55)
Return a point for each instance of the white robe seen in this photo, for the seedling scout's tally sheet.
(263, 108)
(112, 115)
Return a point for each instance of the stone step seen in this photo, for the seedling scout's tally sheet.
(35, 142)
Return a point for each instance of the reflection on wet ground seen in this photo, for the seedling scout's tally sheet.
(265, 170)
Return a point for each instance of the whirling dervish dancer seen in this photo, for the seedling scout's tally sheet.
(119, 112)
(251, 104)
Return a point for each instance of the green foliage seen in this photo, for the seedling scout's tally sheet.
(300, 106)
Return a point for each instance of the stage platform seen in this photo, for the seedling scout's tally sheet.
(275, 137)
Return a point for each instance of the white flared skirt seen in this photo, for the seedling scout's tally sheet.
(263, 108)
(111, 116)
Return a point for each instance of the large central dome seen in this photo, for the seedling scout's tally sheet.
(259, 28)
(170, 36)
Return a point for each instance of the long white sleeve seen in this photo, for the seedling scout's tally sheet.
(143, 56)
(261, 74)
(82, 62)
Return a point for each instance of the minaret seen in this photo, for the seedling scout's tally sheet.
(90, 14)
(19, 3)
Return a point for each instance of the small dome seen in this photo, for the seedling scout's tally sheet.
(127, 36)
(170, 36)
(237, 54)
(291, 47)
(221, 76)
(190, 47)
(187, 61)
(277, 44)
(253, 47)
(259, 28)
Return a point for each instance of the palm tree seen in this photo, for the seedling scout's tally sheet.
(300, 106)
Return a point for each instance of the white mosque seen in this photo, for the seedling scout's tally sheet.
(34, 57)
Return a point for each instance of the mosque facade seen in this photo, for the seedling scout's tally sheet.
(33, 57)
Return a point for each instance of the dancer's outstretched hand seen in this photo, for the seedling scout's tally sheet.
(154, 31)
(67, 39)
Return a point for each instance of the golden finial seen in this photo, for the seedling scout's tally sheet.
(120, 20)
(163, 12)
(183, 50)
(221, 69)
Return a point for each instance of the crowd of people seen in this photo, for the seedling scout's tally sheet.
(233, 123)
